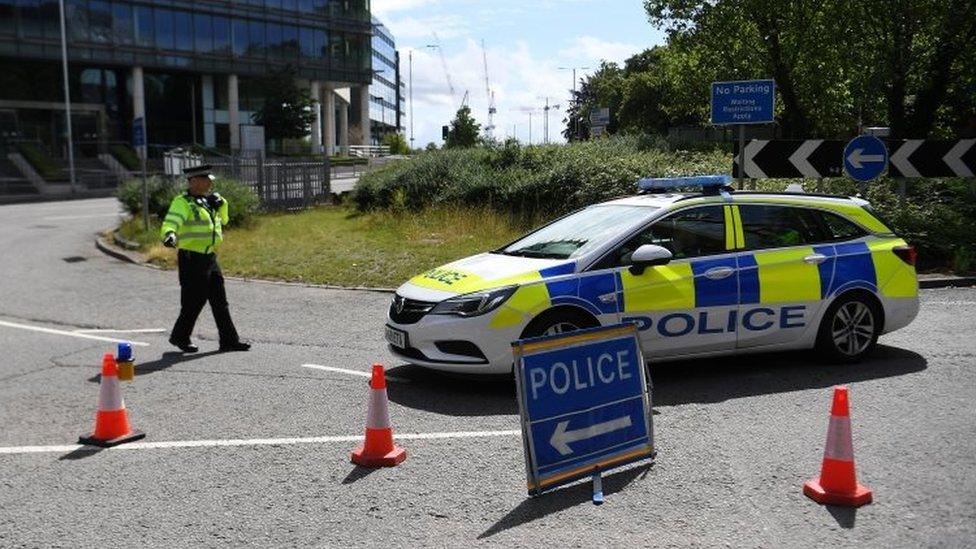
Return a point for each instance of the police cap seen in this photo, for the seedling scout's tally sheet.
(193, 171)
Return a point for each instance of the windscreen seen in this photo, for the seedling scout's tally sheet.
(578, 233)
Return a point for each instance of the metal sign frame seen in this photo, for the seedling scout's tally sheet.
(535, 483)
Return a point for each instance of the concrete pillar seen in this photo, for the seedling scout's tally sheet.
(315, 89)
(233, 113)
(329, 108)
(139, 97)
(361, 129)
(209, 117)
(344, 128)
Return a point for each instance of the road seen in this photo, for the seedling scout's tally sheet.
(253, 448)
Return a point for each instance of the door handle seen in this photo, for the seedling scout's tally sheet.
(815, 259)
(718, 273)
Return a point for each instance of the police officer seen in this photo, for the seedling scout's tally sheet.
(194, 224)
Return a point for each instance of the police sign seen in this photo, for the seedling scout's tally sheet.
(584, 404)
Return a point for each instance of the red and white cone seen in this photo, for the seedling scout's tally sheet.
(837, 484)
(111, 420)
(378, 450)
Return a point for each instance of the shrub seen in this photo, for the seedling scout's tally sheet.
(41, 162)
(126, 156)
(242, 202)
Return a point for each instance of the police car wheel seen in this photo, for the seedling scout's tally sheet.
(850, 329)
(558, 321)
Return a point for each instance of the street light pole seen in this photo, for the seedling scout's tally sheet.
(67, 98)
(578, 114)
(410, 58)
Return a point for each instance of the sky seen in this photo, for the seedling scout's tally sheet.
(530, 45)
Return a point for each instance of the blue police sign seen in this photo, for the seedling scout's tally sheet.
(584, 404)
(743, 102)
(865, 157)
(138, 132)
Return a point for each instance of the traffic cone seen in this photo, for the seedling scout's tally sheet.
(837, 484)
(378, 449)
(111, 421)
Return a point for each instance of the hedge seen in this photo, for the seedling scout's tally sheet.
(242, 202)
(539, 182)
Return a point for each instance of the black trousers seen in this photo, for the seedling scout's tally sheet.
(201, 281)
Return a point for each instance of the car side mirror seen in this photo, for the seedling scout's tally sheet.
(648, 255)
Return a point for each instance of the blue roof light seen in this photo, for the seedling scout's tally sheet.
(706, 182)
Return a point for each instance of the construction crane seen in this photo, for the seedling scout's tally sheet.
(489, 94)
(447, 73)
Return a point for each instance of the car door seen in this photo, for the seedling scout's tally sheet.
(779, 273)
(683, 307)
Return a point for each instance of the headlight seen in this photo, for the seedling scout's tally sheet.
(474, 304)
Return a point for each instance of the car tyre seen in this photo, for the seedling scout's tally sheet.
(557, 321)
(850, 328)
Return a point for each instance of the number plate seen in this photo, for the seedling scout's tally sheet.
(397, 338)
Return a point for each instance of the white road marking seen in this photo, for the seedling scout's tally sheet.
(353, 372)
(122, 331)
(89, 216)
(69, 334)
(253, 442)
(949, 302)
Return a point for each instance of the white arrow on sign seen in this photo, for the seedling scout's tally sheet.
(857, 156)
(800, 160)
(953, 158)
(561, 438)
(900, 159)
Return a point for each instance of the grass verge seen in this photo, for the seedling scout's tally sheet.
(335, 245)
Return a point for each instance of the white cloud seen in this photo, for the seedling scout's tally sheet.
(446, 27)
(382, 8)
(594, 49)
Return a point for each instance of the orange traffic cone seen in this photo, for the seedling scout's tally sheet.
(837, 484)
(111, 421)
(378, 449)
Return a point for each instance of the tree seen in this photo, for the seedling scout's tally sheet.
(397, 143)
(464, 130)
(287, 110)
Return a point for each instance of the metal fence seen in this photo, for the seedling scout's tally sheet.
(279, 184)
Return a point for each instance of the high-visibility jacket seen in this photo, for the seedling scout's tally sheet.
(198, 228)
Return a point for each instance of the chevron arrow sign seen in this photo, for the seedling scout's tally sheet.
(931, 158)
(780, 158)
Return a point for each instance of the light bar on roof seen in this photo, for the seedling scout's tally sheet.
(665, 183)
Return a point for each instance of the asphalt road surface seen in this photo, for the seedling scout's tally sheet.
(253, 448)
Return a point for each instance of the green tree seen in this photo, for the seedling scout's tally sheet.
(464, 130)
(287, 110)
(397, 143)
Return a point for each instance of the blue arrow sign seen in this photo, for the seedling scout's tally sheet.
(865, 158)
(584, 404)
(743, 102)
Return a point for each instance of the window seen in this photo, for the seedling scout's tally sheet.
(274, 40)
(122, 23)
(202, 33)
(8, 25)
(144, 26)
(689, 233)
(100, 22)
(306, 38)
(241, 37)
(838, 228)
(221, 35)
(183, 30)
(580, 232)
(779, 226)
(164, 29)
(257, 45)
(289, 42)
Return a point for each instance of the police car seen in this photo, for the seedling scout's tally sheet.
(701, 274)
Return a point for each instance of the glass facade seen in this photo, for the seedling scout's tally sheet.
(386, 99)
(323, 39)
